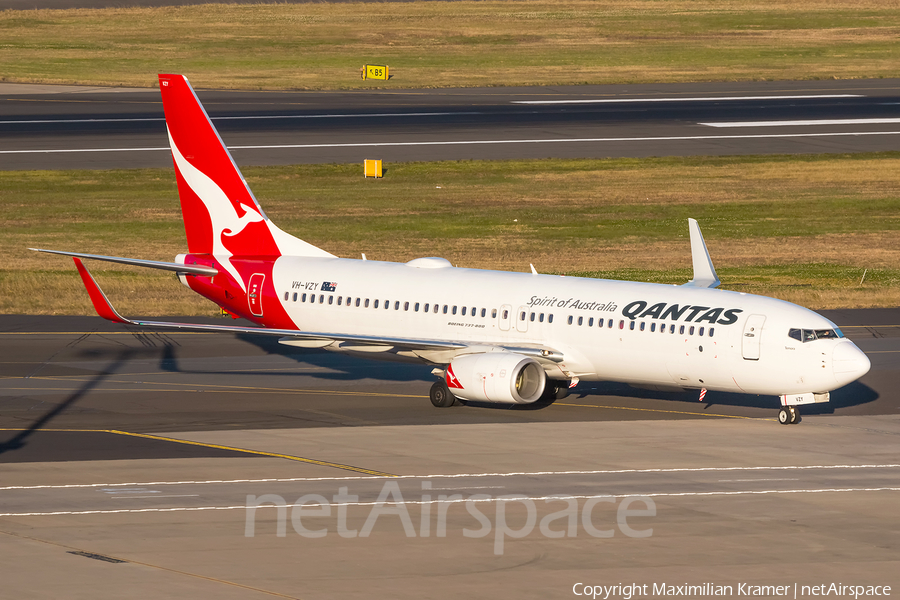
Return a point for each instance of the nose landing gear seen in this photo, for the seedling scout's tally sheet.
(788, 415)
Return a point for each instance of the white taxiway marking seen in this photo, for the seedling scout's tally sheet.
(551, 498)
(453, 476)
(700, 99)
(243, 117)
(674, 138)
(805, 122)
(169, 496)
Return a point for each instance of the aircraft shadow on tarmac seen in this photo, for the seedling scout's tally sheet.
(21, 437)
(853, 394)
(340, 367)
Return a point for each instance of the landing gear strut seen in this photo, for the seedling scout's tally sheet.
(441, 396)
(788, 415)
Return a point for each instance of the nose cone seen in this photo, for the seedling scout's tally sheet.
(849, 362)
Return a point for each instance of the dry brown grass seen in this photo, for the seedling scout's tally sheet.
(800, 228)
(434, 44)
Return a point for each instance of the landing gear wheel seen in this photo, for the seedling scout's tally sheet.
(441, 396)
(784, 416)
(795, 414)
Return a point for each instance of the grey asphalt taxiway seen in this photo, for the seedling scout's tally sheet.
(136, 460)
(49, 127)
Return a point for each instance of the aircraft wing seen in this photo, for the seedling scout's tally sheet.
(106, 310)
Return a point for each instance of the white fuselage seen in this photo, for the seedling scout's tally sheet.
(651, 334)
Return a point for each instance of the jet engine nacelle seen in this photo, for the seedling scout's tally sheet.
(496, 377)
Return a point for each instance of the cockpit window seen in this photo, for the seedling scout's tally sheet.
(811, 335)
(825, 334)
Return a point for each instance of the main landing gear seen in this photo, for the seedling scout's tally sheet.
(788, 415)
(441, 396)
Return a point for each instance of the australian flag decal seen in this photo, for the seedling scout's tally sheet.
(329, 286)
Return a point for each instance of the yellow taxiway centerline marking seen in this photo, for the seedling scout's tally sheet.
(312, 461)
(218, 388)
(659, 410)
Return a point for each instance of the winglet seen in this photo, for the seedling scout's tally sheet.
(101, 304)
(704, 271)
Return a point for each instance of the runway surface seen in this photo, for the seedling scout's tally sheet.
(44, 127)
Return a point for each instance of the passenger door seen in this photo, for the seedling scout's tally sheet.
(254, 294)
(752, 337)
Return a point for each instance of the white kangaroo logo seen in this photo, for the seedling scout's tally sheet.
(222, 214)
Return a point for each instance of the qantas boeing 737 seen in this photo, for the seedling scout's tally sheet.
(492, 336)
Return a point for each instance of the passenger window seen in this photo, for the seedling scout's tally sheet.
(322, 299)
(406, 306)
(609, 324)
(416, 307)
(621, 324)
(357, 302)
(493, 313)
(436, 309)
(445, 309)
(580, 320)
(396, 305)
(532, 317)
(366, 304)
(631, 326)
(295, 296)
(453, 310)
(672, 328)
(331, 301)
(505, 314)
(483, 313)
(571, 318)
(652, 327)
(591, 322)
(642, 325)
(463, 311)
(303, 298)
(522, 316)
(550, 318)
(340, 298)
(712, 330)
(681, 330)
(426, 307)
(473, 311)
(375, 304)
(701, 331)
(541, 318)
(691, 330)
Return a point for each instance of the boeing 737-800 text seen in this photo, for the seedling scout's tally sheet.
(492, 336)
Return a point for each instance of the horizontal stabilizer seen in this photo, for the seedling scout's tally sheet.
(137, 262)
(704, 271)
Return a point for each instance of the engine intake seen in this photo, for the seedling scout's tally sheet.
(504, 377)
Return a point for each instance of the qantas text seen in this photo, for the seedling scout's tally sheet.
(692, 314)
